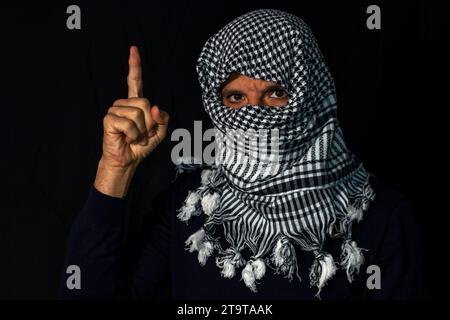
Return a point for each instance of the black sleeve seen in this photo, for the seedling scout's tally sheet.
(400, 258)
(96, 246)
(150, 270)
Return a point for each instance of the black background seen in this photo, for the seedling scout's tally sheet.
(56, 85)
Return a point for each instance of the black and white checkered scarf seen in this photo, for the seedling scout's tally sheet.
(314, 190)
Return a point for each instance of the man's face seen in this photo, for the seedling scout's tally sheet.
(239, 91)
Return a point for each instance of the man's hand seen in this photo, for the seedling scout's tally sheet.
(132, 129)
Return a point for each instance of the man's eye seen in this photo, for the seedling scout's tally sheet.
(235, 97)
(278, 94)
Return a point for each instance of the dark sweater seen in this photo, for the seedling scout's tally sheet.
(389, 232)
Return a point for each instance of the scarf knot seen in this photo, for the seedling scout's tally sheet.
(229, 261)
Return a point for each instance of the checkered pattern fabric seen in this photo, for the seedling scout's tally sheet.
(314, 189)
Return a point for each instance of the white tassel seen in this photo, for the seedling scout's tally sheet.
(259, 268)
(195, 241)
(229, 262)
(185, 213)
(228, 270)
(284, 258)
(278, 258)
(322, 270)
(328, 270)
(352, 258)
(249, 277)
(206, 173)
(210, 202)
(354, 214)
(190, 206)
(205, 252)
(192, 199)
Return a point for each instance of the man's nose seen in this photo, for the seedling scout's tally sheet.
(255, 100)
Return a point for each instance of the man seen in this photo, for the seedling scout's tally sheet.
(283, 227)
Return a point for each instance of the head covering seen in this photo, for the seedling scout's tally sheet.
(313, 189)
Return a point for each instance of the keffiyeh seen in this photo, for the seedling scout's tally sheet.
(310, 189)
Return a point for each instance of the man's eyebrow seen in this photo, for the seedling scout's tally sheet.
(227, 91)
(274, 86)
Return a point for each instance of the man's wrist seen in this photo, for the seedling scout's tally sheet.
(113, 181)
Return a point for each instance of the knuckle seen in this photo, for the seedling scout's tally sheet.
(107, 119)
(135, 113)
(112, 109)
(145, 102)
(117, 102)
(138, 117)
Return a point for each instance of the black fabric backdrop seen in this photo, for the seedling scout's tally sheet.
(57, 85)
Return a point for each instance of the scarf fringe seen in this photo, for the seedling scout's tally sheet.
(322, 270)
(259, 268)
(205, 198)
(254, 270)
(249, 278)
(205, 176)
(190, 207)
(228, 269)
(351, 258)
(202, 243)
(284, 258)
(354, 214)
(205, 252)
(210, 202)
(195, 240)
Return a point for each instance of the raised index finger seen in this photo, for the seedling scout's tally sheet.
(134, 78)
